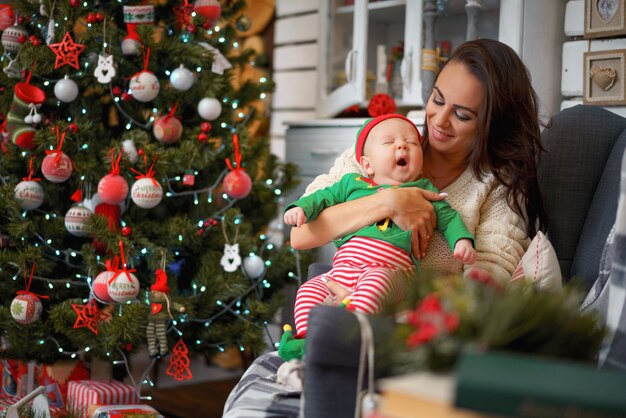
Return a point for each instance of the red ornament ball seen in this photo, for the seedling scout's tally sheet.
(74, 3)
(126, 230)
(57, 169)
(100, 286)
(202, 137)
(237, 184)
(113, 189)
(26, 308)
(381, 104)
(21, 39)
(205, 126)
(167, 129)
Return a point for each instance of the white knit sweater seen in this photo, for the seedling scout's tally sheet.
(500, 234)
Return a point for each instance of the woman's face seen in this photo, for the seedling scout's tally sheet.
(452, 111)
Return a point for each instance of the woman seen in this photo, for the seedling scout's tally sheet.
(482, 142)
(481, 145)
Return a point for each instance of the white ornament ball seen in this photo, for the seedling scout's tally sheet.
(131, 47)
(26, 308)
(124, 287)
(146, 193)
(11, 38)
(209, 108)
(144, 86)
(167, 129)
(29, 194)
(254, 266)
(100, 286)
(76, 220)
(56, 171)
(181, 78)
(66, 90)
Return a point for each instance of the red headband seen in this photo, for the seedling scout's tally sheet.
(369, 124)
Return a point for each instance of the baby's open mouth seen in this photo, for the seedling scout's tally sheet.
(401, 162)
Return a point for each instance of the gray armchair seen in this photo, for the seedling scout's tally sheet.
(579, 178)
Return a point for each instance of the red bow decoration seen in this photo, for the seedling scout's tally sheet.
(430, 319)
(27, 283)
(31, 171)
(57, 150)
(124, 268)
(149, 173)
(115, 161)
(237, 155)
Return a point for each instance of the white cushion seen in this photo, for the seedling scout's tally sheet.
(540, 264)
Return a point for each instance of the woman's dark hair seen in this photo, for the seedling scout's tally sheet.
(508, 141)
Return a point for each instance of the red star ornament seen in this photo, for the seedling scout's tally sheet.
(183, 13)
(67, 52)
(89, 316)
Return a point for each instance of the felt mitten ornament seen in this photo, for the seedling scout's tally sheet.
(133, 16)
(23, 114)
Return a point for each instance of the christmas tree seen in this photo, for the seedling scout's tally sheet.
(135, 198)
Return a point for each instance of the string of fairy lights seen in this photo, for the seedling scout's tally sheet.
(71, 257)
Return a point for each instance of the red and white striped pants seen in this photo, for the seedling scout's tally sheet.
(368, 267)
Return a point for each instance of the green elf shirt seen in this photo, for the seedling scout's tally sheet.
(353, 186)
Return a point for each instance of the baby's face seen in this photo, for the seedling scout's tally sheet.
(392, 153)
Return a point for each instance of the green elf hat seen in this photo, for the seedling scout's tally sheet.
(369, 124)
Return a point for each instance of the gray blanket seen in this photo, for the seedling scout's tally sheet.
(259, 395)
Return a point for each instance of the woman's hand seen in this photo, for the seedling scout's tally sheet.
(411, 209)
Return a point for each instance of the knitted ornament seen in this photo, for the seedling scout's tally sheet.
(26, 307)
(160, 283)
(289, 347)
(76, 220)
(23, 113)
(369, 124)
(133, 16)
(381, 104)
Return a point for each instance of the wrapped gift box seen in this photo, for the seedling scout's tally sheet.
(126, 411)
(84, 394)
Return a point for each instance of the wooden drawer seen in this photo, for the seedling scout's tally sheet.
(315, 149)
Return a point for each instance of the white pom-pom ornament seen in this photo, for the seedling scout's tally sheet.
(167, 129)
(26, 308)
(66, 90)
(100, 286)
(144, 86)
(209, 108)
(131, 47)
(76, 220)
(29, 194)
(56, 168)
(113, 189)
(181, 78)
(254, 266)
(146, 193)
(124, 287)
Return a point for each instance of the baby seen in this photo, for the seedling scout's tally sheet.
(366, 264)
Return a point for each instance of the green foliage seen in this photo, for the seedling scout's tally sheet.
(186, 232)
(443, 315)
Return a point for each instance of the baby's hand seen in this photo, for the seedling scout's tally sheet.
(464, 251)
(295, 217)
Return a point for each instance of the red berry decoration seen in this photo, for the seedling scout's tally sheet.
(381, 104)
(126, 230)
(34, 40)
(21, 20)
(21, 39)
(73, 128)
(117, 90)
(205, 126)
(99, 17)
(91, 17)
(191, 28)
(126, 96)
(140, 151)
(74, 3)
(202, 137)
